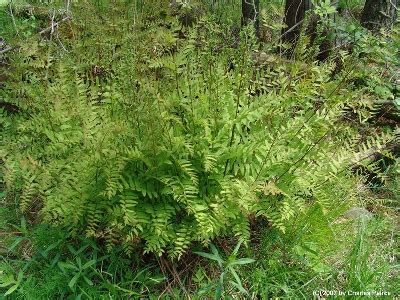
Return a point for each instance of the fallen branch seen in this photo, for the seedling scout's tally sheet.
(38, 12)
(6, 49)
(55, 25)
(9, 107)
(375, 154)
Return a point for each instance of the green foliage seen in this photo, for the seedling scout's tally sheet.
(324, 8)
(356, 257)
(49, 264)
(8, 281)
(167, 147)
(137, 134)
(227, 269)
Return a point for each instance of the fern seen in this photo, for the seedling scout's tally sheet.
(169, 147)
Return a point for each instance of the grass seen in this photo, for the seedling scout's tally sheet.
(54, 265)
(361, 257)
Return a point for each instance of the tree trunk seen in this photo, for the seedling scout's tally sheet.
(379, 13)
(295, 11)
(250, 13)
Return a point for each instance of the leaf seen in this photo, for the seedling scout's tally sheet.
(397, 103)
(73, 281)
(221, 278)
(16, 243)
(235, 251)
(72, 250)
(88, 281)
(239, 287)
(88, 264)
(158, 279)
(383, 92)
(7, 283)
(64, 265)
(55, 260)
(207, 255)
(242, 261)
(218, 292)
(79, 262)
(233, 272)
(81, 249)
(24, 228)
(215, 252)
(4, 2)
(271, 189)
(20, 276)
(51, 247)
(11, 290)
(205, 289)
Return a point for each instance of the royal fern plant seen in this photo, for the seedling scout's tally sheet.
(170, 145)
